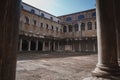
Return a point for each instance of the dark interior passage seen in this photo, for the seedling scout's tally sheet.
(33, 45)
(40, 46)
(24, 45)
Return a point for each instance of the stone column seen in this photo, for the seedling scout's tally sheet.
(107, 46)
(86, 46)
(54, 46)
(94, 49)
(73, 45)
(58, 46)
(43, 49)
(36, 45)
(9, 28)
(29, 45)
(49, 46)
(20, 45)
(80, 46)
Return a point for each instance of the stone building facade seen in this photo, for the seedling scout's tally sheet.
(80, 31)
(41, 31)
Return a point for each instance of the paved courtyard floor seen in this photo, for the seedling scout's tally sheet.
(51, 66)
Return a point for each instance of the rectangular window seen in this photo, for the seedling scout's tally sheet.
(52, 27)
(46, 26)
(76, 27)
(70, 28)
(35, 22)
(64, 29)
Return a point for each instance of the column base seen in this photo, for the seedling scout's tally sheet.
(109, 72)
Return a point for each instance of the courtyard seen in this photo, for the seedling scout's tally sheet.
(55, 66)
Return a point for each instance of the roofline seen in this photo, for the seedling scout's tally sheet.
(77, 12)
(39, 9)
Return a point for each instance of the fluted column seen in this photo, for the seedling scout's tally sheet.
(9, 28)
(107, 44)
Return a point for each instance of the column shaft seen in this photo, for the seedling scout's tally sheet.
(80, 46)
(54, 46)
(36, 45)
(49, 46)
(107, 44)
(86, 46)
(58, 46)
(9, 26)
(20, 45)
(94, 49)
(29, 45)
(43, 49)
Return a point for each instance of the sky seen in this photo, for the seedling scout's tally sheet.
(62, 7)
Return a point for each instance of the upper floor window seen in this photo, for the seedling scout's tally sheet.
(52, 27)
(81, 17)
(64, 29)
(51, 18)
(58, 21)
(70, 28)
(35, 22)
(89, 24)
(46, 26)
(94, 14)
(27, 20)
(68, 19)
(32, 11)
(42, 14)
(83, 26)
(76, 27)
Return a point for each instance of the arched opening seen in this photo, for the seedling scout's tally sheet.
(33, 45)
(24, 45)
(40, 46)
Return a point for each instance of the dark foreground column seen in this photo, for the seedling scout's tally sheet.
(117, 13)
(107, 42)
(9, 20)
